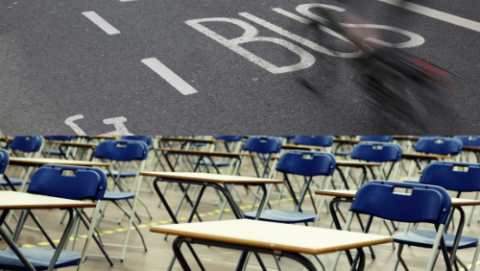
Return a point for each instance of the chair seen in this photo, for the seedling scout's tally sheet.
(423, 204)
(470, 141)
(377, 138)
(124, 151)
(69, 182)
(378, 153)
(457, 177)
(263, 147)
(304, 163)
(435, 145)
(25, 144)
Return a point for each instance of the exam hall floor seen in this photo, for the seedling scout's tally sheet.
(160, 251)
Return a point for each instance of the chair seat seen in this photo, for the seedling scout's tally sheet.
(412, 181)
(109, 195)
(124, 174)
(14, 181)
(218, 164)
(282, 216)
(39, 257)
(427, 238)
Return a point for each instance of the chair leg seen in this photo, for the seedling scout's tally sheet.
(399, 258)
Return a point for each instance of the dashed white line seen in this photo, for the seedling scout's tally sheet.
(100, 22)
(439, 15)
(169, 76)
(127, 0)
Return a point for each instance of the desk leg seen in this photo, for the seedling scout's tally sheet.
(294, 256)
(12, 245)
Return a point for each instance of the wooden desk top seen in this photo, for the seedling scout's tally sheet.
(209, 177)
(275, 236)
(47, 161)
(425, 156)
(456, 202)
(356, 163)
(19, 200)
(211, 153)
(300, 147)
(194, 140)
(73, 144)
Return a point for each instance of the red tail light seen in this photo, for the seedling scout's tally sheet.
(430, 68)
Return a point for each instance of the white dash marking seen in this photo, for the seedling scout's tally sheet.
(169, 76)
(127, 0)
(439, 15)
(100, 22)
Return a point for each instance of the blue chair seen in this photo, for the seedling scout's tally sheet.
(439, 145)
(50, 180)
(470, 141)
(377, 152)
(124, 151)
(263, 147)
(424, 204)
(24, 144)
(320, 141)
(436, 145)
(304, 163)
(377, 138)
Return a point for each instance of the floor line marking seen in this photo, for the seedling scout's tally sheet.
(169, 76)
(100, 22)
(439, 15)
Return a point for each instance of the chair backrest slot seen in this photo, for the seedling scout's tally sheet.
(460, 169)
(68, 172)
(377, 147)
(402, 191)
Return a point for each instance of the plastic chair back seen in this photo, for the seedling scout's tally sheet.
(263, 144)
(146, 139)
(461, 177)
(320, 141)
(122, 150)
(307, 163)
(69, 182)
(388, 200)
(26, 143)
(59, 138)
(3, 161)
(229, 138)
(471, 141)
(377, 152)
(439, 145)
(377, 138)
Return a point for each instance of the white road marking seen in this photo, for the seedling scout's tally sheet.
(439, 15)
(120, 128)
(169, 76)
(100, 22)
(251, 35)
(69, 121)
(127, 0)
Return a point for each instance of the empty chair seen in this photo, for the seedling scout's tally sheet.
(51, 151)
(422, 204)
(123, 151)
(262, 147)
(435, 145)
(308, 165)
(385, 138)
(68, 182)
(21, 146)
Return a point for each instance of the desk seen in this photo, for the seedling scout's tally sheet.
(10, 200)
(202, 154)
(269, 237)
(63, 144)
(356, 164)
(301, 147)
(348, 195)
(214, 180)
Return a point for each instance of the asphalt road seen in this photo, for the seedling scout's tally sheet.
(56, 62)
